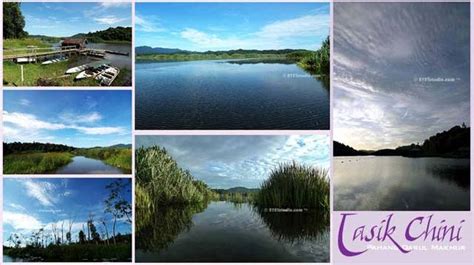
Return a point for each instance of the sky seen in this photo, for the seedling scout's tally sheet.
(401, 72)
(79, 118)
(67, 19)
(31, 204)
(225, 26)
(240, 161)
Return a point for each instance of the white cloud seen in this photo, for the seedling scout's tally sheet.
(147, 24)
(98, 130)
(275, 35)
(21, 221)
(41, 191)
(114, 4)
(304, 26)
(109, 20)
(28, 121)
(17, 206)
(16, 122)
(25, 102)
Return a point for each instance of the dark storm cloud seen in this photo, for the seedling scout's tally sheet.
(230, 161)
(382, 52)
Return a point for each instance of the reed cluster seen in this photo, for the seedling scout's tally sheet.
(294, 186)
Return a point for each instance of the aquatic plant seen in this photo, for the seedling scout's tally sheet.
(294, 186)
(159, 177)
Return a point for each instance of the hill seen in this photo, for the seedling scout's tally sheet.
(158, 50)
(236, 190)
(454, 142)
(110, 34)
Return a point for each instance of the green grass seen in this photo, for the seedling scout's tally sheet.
(23, 43)
(35, 163)
(74, 252)
(36, 74)
(162, 182)
(294, 186)
(117, 157)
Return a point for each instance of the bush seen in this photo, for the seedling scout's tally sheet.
(293, 186)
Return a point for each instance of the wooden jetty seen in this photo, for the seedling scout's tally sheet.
(34, 54)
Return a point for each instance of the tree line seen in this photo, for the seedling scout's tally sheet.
(13, 21)
(110, 34)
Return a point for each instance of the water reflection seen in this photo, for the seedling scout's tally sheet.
(156, 229)
(295, 226)
(237, 231)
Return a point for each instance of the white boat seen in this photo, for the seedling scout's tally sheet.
(77, 69)
(108, 76)
(53, 61)
(91, 72)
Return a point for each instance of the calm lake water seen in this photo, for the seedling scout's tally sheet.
(401, 183)
(84, 165)
(224, 231)
(226, 94)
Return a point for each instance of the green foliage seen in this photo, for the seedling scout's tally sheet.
(317, 62)
(13, 21)
(34, 163)
(82, 237)
(9, 44)
(73, 253)
(293, 186)
(17, 147)
(108, 35)
(160, 181)
(208, 56)
(117, 157)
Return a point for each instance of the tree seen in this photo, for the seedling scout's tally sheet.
(95, 235)
(13, 21)
(116, 205)
(102, 220)
(82, 237)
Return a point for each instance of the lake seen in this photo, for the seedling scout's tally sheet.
(84, 165)
(229, 94)
(227, 232)
(401, 183)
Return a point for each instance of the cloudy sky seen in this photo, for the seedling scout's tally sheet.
(231, 161)
(224, 26)
(76, 118)
(67, 19)
(401, 72)
(31, 204)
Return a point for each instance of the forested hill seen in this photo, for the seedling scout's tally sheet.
(110, 34)
(147, 50)
(454, 142)
(17, 147)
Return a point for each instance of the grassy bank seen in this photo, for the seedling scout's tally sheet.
(117, 157)
(35, 163)
(73, 253)
(24, 43)
(293, 186)
(36, 74)
(160, 181)
(206, 56)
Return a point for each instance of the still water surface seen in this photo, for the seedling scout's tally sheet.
(401, 183)
(84, 165)
(225, 94)
(224, 231)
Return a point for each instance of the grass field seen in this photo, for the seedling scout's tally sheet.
(23, 43)
(117, 157)
(48, 75)
(35, 163)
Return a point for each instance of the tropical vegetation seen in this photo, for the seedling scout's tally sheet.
(40, 158)
(55, 243)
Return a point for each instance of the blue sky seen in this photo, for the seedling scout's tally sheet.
(224, 26)
(76, 118)
(31, 204)
(67, 19)
(231, 161)
(403, 80)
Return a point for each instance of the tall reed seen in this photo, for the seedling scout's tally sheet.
(294, 186)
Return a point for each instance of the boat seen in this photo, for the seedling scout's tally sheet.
(57, 60)
(77, 69)
(107, 77)
(91, 72)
